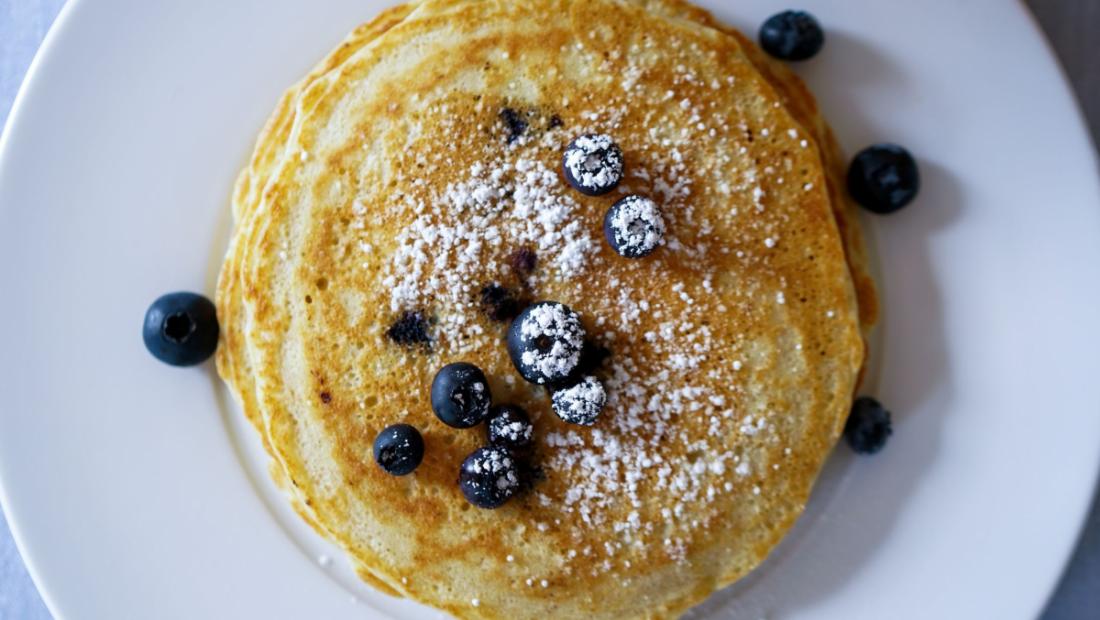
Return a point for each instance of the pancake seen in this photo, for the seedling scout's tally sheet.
(327, 379)
(233, 359)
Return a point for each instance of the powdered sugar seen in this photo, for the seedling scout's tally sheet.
(446, 254)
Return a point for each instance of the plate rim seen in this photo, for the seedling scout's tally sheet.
(64, 22)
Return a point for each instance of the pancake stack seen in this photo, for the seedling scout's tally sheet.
(418, 167)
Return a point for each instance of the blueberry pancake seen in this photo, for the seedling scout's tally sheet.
(413, 204)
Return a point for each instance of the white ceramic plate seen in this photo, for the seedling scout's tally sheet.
(135, 490)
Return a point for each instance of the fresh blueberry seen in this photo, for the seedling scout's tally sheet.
(883, 178)
(489, 477)
(792, 35)
(398, 449)
(581, 402)
(510, 427)
(593, 164)
(545, 342)
(460, 395)
(181, 329)
(634, 227)
(868, 426)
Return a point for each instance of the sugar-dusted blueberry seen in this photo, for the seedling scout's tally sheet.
(181, 329)
(545, 342)
(581, 402)
(489, 477)
(792, 35)
(883, 178)
(460, 395)
(593, 164)
(868, 426)
(510, 427)
(398, 449)
(634, 227)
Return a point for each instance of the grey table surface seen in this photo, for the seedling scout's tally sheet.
(1071, 26)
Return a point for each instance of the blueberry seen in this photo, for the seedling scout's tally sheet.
(593, 355)
(883, 178)
(398, 449)
(460, 395)
(510, 427)
(634, 227)
(792, 35)
(489, 477)
(409, 329)
(545, 342)
(499, 303)
(868, 426)
(581, 402)
(514, 122)
(593, 164)
(181, 329)
(524, 261)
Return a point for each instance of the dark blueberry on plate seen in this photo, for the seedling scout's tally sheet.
(868, 426)
(593, 164)
(792, 35)
(581, 402)
(883, 178)
(489, 477)
(634, 227)
(545, 342)
(398, 449)
(510, 427)
(460, 395)
(181, 329)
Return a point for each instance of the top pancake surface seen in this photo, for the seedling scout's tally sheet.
(734, 348)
